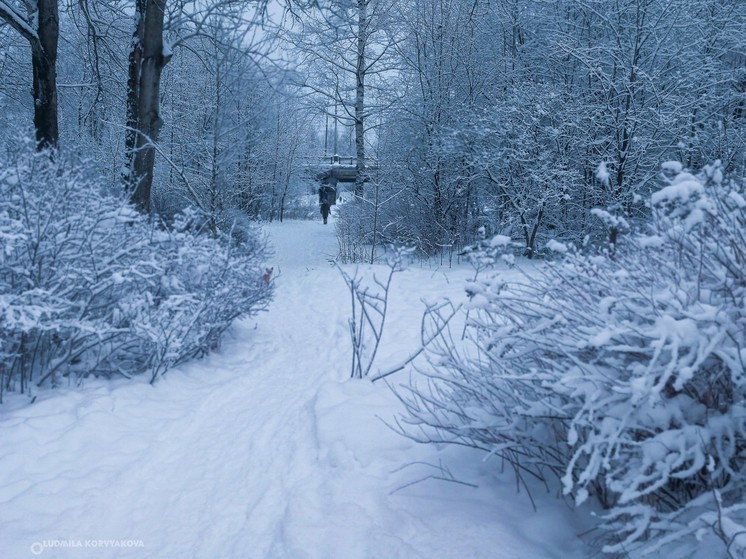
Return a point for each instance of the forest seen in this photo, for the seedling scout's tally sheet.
(519, 117)
(145, 144)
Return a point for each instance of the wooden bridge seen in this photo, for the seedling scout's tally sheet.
(336, 169)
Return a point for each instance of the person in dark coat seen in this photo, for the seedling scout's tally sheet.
(327, 198)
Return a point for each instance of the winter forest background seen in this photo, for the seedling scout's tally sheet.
(144, 145)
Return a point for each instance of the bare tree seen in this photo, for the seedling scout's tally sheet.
(345, 47)
(40, 27)
(147, 58)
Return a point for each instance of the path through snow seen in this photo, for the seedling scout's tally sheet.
(263, 449)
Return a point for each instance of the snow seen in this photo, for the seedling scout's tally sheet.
(611, 221)
(500, 241)
(682, 189)
(673, 167)
(167, 51)
(265, 448)
(16, 20)
(737, 199)
(602, 174)
(556, 246)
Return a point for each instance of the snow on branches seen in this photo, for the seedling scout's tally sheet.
(88, 286)
(622, 375)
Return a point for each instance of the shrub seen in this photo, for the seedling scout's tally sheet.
(88, 286)
(389, 216)
(620, 373)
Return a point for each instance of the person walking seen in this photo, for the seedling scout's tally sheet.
(327, 198)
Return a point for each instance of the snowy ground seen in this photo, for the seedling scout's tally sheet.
(264, 449)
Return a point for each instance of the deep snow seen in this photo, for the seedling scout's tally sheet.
(264, 449)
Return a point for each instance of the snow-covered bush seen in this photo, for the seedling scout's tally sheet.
(388, 217)
(90, 287)
(369, 302)
(621, 375)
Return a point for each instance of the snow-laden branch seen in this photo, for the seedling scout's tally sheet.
(18, 22)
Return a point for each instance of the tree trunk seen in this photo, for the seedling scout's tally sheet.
(43, 40)
(146, 62)
(362, 6)
(44, 64)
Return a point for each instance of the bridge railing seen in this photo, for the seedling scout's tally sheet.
(346, 160)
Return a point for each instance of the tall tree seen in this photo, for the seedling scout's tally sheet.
(147, 58)
(344, 48)
(40, 27)
(185, 20)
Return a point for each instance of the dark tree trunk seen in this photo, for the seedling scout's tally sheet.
(146, 62)
(44, 64)
(43, 39)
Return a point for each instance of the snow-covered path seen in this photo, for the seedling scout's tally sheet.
(263, 449)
